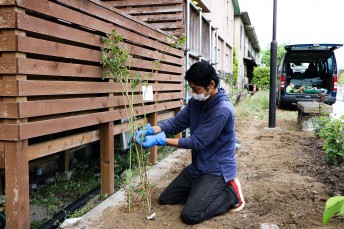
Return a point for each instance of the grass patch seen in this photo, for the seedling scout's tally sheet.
(255, 105)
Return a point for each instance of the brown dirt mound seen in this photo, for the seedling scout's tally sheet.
(284, 177)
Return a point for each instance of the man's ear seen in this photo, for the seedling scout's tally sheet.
(212, 84)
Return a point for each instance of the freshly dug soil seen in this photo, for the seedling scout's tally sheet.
(284, 177)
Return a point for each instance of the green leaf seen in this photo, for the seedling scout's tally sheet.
(334, 205)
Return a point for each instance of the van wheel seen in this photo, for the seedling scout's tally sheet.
(281, 105)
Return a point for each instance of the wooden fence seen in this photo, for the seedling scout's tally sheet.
(52, 95)
(167, 15)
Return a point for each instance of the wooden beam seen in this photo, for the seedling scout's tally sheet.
(107, 160)
(64, 161)
(61, 144)
(17, 185)
(153, 156)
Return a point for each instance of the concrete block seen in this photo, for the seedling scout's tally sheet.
(314, 107)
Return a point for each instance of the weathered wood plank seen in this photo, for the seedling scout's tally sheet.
(65, 143)
(8, 65)
(49, 48)
(7, 2)
(153, 9)
(8, 87)
(160, 17)
(8, 40)
(37, 25)
(9, 110)
(17, 185)
(151, 66)
(42, 67)
(107, 160)
(168, 25)
(35, 88)
(50, 147)
(2, 156)
(40, 128)
(9, 132)
(153, 156)
(115, 16)
(143, 3)
(7, 17)
(58, 106)
(158, 76)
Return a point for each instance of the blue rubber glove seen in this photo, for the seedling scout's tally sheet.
(152, 140)
(148, 130)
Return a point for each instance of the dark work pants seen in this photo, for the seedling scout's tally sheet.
(204, 196)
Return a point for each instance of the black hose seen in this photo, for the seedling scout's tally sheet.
(78, 203)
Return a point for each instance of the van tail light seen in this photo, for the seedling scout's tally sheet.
(282, 82)
(335, 83)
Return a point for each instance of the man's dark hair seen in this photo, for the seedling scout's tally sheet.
(202, 73)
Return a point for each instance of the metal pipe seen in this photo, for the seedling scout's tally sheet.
(200, 36)
(210, 45)
(187, 51)
(273, 71)
(217, 48)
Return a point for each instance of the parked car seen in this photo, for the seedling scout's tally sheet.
(305, 71)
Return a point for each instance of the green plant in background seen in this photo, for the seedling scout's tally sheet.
(261, 76)
(235, 67)
(332, 131)
(334, 206)
(116, 59)
(341, 79)
(177, 43)
(254, 105)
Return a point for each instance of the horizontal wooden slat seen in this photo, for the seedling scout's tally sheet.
(115, 16)
(153, 9)
(160, 17)
(47, 148)
(143, 3)
(28, 66)
(150, 65)
(37, 25)
(168, 25)
(40, 128)
(158, 76)
(57, 145)
(58, 106)
(36, 88)
(33, 24)
(43, 47)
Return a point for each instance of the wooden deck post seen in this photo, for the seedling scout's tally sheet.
(153, 156)
(17, 185)
(107, 158)
(64, 161)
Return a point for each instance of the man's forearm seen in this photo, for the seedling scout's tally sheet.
(172, 142)
(156, 129)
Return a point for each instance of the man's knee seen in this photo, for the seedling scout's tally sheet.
(191, 217)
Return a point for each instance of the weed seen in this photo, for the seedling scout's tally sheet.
(254, 105)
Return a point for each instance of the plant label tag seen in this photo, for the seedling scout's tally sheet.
(147, 93)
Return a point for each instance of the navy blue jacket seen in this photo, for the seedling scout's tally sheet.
(212, 139)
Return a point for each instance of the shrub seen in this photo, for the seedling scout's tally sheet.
(332, 131)
(261, 76)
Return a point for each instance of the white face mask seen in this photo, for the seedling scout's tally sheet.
(201, 97)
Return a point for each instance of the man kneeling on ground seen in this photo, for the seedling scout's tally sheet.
(208, 186)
